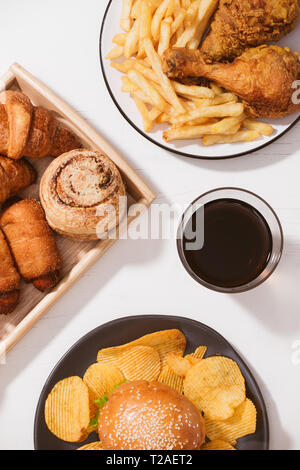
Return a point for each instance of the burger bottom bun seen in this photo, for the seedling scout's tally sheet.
(150, 416)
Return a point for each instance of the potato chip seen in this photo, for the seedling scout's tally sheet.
(67, 412)
(242, 423)
(140, 363)
(217, 445)
(101, 379)
(168, 377)
(180, 365)
(92, 446)
(216, 386)
(164, 342)
(199, 353)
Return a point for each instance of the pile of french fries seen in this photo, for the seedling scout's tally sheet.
(150, 27)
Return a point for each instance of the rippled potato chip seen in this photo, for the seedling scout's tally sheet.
(216, 386)
(217, 445)
(92, 446)
(101, 379)
(140, 363)
(67, 412)
(242, 423)
(199, 353)
(181, 365)
(168, 377)
(164, 342)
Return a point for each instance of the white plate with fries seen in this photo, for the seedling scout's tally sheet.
(193, 121)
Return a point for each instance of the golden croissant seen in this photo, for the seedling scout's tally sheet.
(32, 243)
(9, 279)
(15, 175)
(31, 131)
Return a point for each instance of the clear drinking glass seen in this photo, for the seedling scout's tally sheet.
(257, 203)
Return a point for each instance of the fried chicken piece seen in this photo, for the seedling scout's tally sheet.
(262, 77)
(239, 24)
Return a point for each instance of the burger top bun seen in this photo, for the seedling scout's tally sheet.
(149, 416)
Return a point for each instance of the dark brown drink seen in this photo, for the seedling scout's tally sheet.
(237, 244)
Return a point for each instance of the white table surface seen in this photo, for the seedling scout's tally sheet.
(58, 42)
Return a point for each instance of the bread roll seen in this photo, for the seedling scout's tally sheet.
(15, 175)
(9, 279)
(31, 131)
(32, 243)
(83, 194)
(149, 416)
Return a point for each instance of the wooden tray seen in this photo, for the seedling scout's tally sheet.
(77, 256)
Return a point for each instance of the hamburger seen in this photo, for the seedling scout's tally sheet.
(145, 415)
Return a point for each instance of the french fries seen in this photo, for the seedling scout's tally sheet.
(190, 112)
(193, 20)
(220, 99)
(125, 21)
(220, 111)
(145, 19)
(158, 17)
(261, 127)
(205, 12)
(119, 39)
(148, 89)
(195, 91)
(115, 53)
(164, 81)
(226, 126)
(241, 136)
(132, 40)
(120, 67)
(165, 36)
(141, 106)
(128, 86)
(177, 23)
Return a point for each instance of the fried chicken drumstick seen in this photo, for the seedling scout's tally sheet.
(262, 77)
(239, 24)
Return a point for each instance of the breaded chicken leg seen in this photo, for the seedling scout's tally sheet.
(262, 77)
(239, 24)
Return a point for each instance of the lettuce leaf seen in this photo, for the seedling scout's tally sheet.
(101, 402)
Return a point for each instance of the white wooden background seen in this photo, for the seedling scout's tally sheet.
(58, 42)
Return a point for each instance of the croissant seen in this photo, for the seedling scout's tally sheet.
(31, 131)
(9, 279)
(83, 194)
(32, 243)
(15, 175)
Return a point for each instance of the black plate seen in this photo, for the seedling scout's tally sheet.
(177, 152)
(120, 331)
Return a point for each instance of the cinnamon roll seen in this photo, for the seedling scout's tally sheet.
(83, 194)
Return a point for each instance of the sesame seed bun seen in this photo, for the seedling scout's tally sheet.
(149, 416)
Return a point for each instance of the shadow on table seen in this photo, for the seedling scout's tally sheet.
(276, 303)
(122, 253)
(279, 438)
